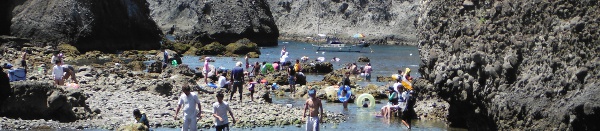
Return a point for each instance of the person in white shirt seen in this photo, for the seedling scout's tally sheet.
(283, 60)
(58, 73)
(282, 51)
(222, 82)
(220, 109)
(188, 100)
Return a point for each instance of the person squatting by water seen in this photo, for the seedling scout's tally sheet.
(220, 110)
(189, 100)
(237, 76)
(222, 82)
(315, 111)
(68, 71)
(141, 118)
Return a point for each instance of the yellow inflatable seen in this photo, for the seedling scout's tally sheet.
(395, 76)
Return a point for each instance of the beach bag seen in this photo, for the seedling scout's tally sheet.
(17, 75)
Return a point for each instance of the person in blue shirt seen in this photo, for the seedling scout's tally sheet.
(237, 76)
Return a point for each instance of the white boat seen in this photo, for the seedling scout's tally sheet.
(334, 45)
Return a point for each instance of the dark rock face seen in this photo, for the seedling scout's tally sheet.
(5, 16)
(223, 21)
(513, 64)
(106, 25)
(34, 100)
(5, 89)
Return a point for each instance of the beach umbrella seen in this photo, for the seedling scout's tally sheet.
(359, 35)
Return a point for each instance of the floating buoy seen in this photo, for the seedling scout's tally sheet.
(359, 101)
(347, 96)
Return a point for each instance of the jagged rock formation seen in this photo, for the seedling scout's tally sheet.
(513, 64)
(106, 25)
(382, 21)
(36, 100)
(224, 21)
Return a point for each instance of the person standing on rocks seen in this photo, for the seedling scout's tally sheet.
(315, 111)
(57, 73)
(220, 109)
(368, 69)
(251, 88)
(282, 51)
(24, 60)
(206, 69)
(165, 58)
(292, 80)
(283, 61)
(189, 100)
(237, 76)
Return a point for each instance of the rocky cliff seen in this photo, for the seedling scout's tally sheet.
(381, 21)
(224, 21)
(105, 25)
(513, 64)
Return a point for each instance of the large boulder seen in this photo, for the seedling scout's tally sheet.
(107, 25)
(317, 67)
(37, 100)
(222, 21)
(155, 67)
(512, 64)
(182, 69)
(243, 46)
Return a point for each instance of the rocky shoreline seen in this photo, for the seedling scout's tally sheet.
(111, 92)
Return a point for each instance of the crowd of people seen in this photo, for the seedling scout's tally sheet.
(248, 74)
(245, 75)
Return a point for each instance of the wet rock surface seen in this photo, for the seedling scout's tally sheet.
(108, 94)
(512, 65)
